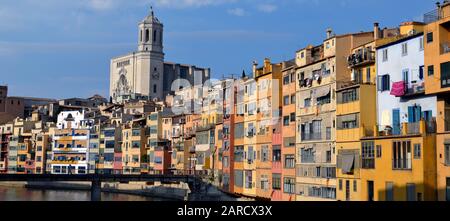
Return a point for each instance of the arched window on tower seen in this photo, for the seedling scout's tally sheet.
(154, 36)
(140, 37)
(147, 35)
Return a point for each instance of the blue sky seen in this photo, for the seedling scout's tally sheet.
(62, 48)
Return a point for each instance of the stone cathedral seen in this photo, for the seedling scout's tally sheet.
(144, 73)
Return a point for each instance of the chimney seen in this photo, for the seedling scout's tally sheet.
(329, 33)
(376, 31)
(255, 66)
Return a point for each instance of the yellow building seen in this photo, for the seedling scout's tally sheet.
(398, 167)
(355, 118)
(133, 147)
(437, 82)
(321, 70)
(269, 96)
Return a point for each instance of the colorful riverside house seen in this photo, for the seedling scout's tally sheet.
(42, 145)
(133, 146)
(94, 151)
(437, 75)
(110, 149)
(177, 148)
(246, 131)
(269, 95)
(5, 134)
(284, 148)
(70, 144)
(356, 112)
(189, 142)
(241, 165)
(319, 71)
(228, 153)
(219, 160)
(398, 162)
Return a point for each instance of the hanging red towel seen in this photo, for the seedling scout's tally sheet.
(398, 89)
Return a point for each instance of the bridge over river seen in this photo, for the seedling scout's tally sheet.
(199, 188)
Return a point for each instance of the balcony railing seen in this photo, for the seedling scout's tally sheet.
(311, 137)
(361, 58)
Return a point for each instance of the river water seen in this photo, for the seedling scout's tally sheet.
(23, 194)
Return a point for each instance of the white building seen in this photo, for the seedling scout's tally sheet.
(71, 141)
(400, 80)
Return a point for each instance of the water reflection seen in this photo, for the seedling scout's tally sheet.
(23, 194)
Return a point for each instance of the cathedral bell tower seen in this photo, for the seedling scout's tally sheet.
(151, 34)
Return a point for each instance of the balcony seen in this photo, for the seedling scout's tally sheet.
(416, 128)
(360, 59)
(311, 137)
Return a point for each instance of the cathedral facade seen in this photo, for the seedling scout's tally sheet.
(144, 73)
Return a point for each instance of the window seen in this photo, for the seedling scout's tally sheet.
(349, 121)
(286, 121)
(307, 155)
(289, 161)
(264, 153)
(292, 77)
(238, 178)
(355, 186)
(293, 99)
(248, 179)
(292, 117)
(276, 154)
(239, 154)
(417, 151)
(368, 155)
(445, 74)
(154, 88)
(401, 151)
(404, 49)
(348, 96)
(379, 151)
(286, 80)
(430, 70)
(328, 155)
(308, 102)
(429, 37)
(384, 83)
(385, 54)
(276, 181)
(324, 100)
(136, 144)
(368, 77)
(264, 182)
(421, 46)
(340, 184)
(447, 154)
(239, 130)
(302, 55)
(289, 142)
(328, 133)
(421, 72)
(289, 185)
(286, 100)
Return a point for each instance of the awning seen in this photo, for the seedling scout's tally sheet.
(322, 92)
(348, 162)
(398, 89)
(346, 118)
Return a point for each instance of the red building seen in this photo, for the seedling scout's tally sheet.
(228, 136)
